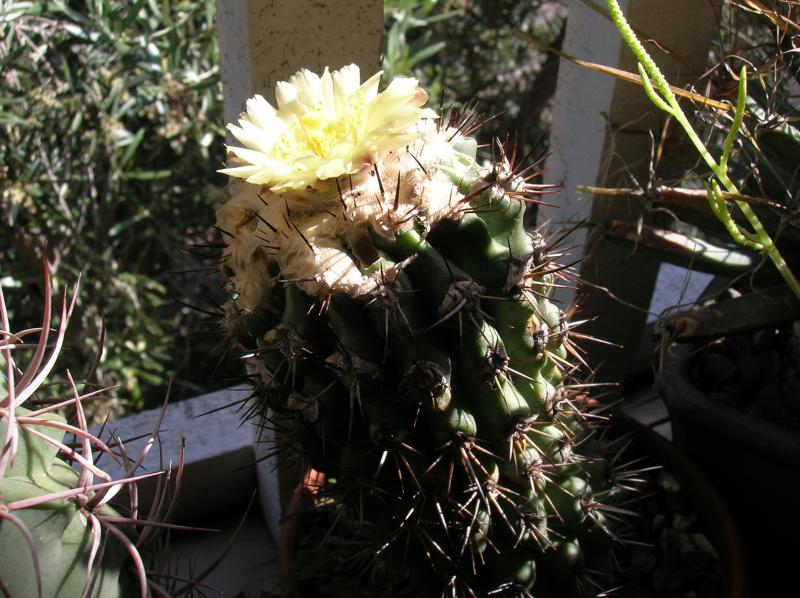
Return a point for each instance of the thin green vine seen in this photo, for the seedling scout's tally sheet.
(658, 91)
(720, 208)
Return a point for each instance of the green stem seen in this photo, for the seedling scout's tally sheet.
(655, 83)
(721, 211)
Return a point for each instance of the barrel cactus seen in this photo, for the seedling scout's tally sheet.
(396, 310)
(59, 536)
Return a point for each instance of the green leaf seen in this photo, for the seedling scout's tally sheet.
(7, 118)
(62, 7)
(14, 10)
(77, 121)
(130, 151)
(133, 13)
(426, 53)
(146, 175)
(442, 17)
(124, 225)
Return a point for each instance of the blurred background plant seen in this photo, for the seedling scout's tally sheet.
(466, 50)
(110, 136)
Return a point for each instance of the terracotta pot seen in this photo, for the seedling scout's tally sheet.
(705, 502)
(754, 465)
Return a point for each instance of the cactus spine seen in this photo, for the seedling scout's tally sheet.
(59, 535)
(397, 312)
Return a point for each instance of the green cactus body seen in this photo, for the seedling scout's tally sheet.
(61, 532)
(426, 339)
(59, 536)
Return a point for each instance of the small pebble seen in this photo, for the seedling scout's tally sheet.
(716, 367)
(702, 542)
(764, 339)
(749, 372)
(682, 523)
(770, 403)
(723, 396)
(791, 394)
(643, 562)
(770, 363)
(667, 580)
(658, 522)
(668, 481)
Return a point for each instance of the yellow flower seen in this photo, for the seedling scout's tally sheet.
(324, 127)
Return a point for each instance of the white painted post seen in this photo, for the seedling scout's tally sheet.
(578, 132)
(600, 136)
(263, 42)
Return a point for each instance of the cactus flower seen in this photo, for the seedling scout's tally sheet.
(323, 127)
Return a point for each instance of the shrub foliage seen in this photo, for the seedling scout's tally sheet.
(110, 125)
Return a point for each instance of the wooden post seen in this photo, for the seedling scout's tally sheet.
(601, 136)
(266, 41)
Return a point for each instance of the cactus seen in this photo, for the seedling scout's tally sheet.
(59, 536)
(396, 310)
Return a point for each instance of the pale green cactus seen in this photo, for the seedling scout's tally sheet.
(58, 534)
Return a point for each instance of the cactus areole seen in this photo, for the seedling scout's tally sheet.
(397, 313)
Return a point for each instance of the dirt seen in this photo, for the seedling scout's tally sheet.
(758, 373)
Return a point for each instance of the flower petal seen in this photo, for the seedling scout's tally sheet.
(323, 127)
(370, 87)
(346, 80)
(261, 113)
(285, 94)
